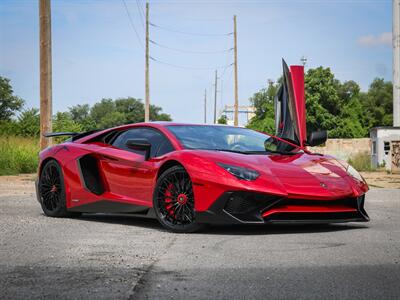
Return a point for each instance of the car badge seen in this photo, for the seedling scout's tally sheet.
(322, 184)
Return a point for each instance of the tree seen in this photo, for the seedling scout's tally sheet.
(334, 106)
(29, 123)
(9, 103)
(81, 117)
(323, 103)
(378, 103)
(131, 108)
(108, 112)
(263, 101)
(81, 114)
(222, 120)
(348, 90)
(340, 108)
(112, 119)
(62, 122)
(157, 115)
(100, 109)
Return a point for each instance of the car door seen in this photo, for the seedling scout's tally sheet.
(127, 172)
(290, 110)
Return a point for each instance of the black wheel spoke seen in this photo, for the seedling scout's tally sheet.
(50, 187)
(175, 199)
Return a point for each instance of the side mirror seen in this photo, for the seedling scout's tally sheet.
(317, 138)
(141, 145)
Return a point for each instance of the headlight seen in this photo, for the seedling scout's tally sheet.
(354, 173)
(240, 172)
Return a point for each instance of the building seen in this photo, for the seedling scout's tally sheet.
(386, 139)
(248, 111)
(385, 147)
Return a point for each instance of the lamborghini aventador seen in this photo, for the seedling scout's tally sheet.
(189, 175)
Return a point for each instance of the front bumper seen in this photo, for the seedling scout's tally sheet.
(256, 208)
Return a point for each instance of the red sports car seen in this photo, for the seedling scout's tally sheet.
(188, 175)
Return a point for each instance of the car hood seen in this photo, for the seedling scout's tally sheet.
(300, 175)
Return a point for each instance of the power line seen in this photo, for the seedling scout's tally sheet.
(224, 70)
(190, 51)
(132, 24)
(187, 67)
(226, 83)
(190, 33)
(141, 12)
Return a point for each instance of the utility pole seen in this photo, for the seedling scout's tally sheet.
(205, 106)
(236, 113)
(220, 94)
(396, 62)
(215, 97)
(147, 99)
(45, 72)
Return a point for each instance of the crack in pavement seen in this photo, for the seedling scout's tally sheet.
(142, 280)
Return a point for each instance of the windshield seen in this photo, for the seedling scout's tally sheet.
(226, 138)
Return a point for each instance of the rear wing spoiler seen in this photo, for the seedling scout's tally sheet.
(74, 135)
(54, 134)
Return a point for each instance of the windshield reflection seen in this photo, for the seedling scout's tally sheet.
(230, 139)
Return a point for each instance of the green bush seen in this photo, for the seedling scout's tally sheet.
(8, 127)
(18, 155)
(361, 162)
(28, 124)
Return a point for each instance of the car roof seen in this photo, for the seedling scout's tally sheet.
(166, 123)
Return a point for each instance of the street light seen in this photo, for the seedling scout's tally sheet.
(303, 60)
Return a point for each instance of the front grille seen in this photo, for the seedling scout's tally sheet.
(357, 204)
(244, 202)
(251, 207)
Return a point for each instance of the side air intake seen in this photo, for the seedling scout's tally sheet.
(90, 174)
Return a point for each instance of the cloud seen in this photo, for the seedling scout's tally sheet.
(385, 38)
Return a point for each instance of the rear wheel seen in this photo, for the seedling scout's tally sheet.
(52, 190)
(173, 201)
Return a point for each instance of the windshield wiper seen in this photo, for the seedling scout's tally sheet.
(224, 150)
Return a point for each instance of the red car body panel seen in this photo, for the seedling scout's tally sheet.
(299, 187)
(130, 179)
(297, 74)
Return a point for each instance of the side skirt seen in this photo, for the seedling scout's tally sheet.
(106, 206)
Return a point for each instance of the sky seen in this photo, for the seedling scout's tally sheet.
(97, 53)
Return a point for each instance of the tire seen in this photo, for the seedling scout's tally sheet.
(52, 191)
(173, 201)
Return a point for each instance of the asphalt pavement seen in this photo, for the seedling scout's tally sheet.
(109, 257)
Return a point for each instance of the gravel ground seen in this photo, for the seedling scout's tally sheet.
(105, 257)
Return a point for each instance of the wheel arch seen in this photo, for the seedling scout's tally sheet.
(44, 162)
(168, 164)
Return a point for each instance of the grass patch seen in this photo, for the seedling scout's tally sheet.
(18, 155)
(361, 162)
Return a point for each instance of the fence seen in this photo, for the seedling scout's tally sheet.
(344, 148)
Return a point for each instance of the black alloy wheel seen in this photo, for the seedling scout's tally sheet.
(52, 191)
(173, 201)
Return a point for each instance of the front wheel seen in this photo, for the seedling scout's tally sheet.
(173, 201)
